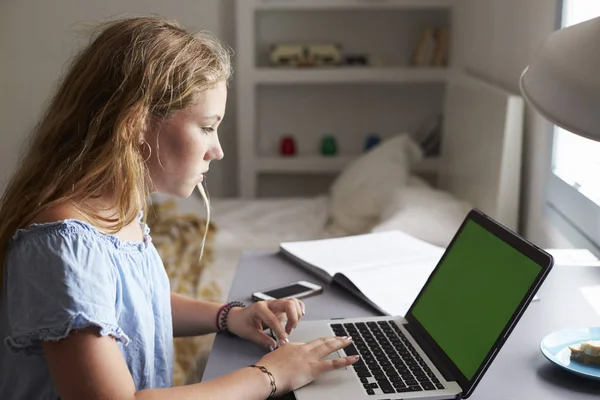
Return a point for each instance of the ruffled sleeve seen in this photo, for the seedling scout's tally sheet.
(56, 281)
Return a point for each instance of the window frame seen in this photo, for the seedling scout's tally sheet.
(573, 213)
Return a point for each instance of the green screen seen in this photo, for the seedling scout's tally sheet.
(473, 295)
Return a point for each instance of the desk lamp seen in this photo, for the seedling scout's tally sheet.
(562, 81)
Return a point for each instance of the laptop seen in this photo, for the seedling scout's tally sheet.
(453, 330)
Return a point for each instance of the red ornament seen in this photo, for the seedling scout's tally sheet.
(287, 146)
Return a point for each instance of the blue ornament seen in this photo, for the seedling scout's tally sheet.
(372, 140)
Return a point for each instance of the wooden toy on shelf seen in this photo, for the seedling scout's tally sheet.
(305, 55)
(432, 48)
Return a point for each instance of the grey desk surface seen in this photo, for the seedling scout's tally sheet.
(520, 371)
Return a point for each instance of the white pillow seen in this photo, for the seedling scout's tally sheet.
(426, 213)
(365, 186)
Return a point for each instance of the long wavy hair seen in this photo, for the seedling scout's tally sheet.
(87, 143)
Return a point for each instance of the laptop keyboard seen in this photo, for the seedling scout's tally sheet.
(388, 361)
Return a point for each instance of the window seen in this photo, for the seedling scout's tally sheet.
(574, 185)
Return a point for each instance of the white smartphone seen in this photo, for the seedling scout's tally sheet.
(296, 290)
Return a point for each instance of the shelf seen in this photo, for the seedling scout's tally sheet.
(349, 75)
(350, 4)
(318, 164)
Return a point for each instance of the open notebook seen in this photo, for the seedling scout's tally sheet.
(385, 269)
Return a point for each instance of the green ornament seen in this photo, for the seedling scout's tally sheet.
(328, 145)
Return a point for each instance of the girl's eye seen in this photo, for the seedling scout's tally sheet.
(208, 129)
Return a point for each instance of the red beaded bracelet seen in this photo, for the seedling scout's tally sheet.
(217, 318)
(223, 313)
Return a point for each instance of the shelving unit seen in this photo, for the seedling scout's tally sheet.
(319, 164)
(283, 76)
(347, 4)
(348, 101)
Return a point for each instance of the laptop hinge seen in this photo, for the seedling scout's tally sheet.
(439, 363)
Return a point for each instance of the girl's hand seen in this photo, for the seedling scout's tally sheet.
(249, 322)
(294, 365)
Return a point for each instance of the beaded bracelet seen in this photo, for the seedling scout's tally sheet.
(223, 313)
(271, 378)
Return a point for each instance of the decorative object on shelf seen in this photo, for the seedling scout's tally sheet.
(305, 55)
(326, 54)
(442, 45)
(423, 53)
(287, 146)
(372, 140)
(432, 48)
(328, 145)
(356, 59)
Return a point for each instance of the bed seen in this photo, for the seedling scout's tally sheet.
(480, 167)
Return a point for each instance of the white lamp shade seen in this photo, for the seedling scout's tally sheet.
(563, 80)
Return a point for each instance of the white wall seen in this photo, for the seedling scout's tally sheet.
(38, 37)
(496, 39)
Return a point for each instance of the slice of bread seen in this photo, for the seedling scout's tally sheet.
(587, 352)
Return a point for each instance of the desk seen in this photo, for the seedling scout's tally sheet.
(520, 371)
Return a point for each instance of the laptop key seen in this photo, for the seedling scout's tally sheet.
(364, 374)
(387, 389)
(399, 385)
(390, 370)
(370, 391)
(428, 386)
(350, 350)
(359, 362)
(364, 380)
(360, 368)
(439, 386)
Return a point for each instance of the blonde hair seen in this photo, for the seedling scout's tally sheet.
(87, 142)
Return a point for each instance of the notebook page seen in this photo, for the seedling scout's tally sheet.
(394, 287)
(360, 252)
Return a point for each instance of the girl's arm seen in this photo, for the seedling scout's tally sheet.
(86, 365)
(193, 317)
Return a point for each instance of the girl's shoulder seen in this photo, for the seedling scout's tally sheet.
(62, 225)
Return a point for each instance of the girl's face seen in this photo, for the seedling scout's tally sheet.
(184, 145)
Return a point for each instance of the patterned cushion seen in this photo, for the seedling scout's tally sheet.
(178, 239)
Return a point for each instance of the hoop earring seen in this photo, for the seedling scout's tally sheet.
(149, 149)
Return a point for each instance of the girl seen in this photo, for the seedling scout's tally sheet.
(86, 310)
